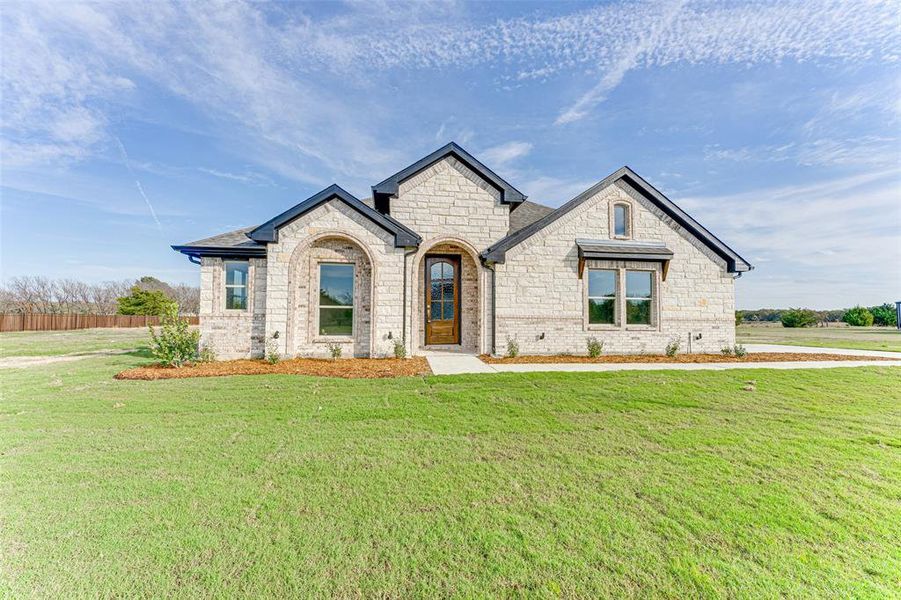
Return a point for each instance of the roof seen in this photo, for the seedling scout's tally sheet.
(623, 250)
(524, 214)
(509, 194)
(734, 262)
(233, 243)
(268, 231)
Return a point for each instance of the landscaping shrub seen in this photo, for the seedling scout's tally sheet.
(884, 315)
(334, 350)
(400, 349)
(512, 349)
(726, 351)
(740, 351)
(206, 354)
(176, 343)
(799, 317)
(595, 347)
(672, 349)
(273, 356)
(858, 317)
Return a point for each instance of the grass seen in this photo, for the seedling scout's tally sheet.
(675, 484)
(55, 343)
(852, 338)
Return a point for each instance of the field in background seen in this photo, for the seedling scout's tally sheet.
(854, 338)
(676, 484)
(56, 343)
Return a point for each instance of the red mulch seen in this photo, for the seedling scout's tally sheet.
(679, 358)
(348, 368)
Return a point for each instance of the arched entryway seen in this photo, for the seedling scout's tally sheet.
(447, 296)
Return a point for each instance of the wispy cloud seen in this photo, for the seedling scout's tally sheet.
(503, 154)
(140, 187)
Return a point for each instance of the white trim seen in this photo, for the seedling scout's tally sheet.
(226, 285)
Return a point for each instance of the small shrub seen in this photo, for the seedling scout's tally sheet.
(858, 317)
(739, 351)
(512, 349)
(799, 317)
(594, 346)
(273, 356)
(400, 349)
(206, 354)
(334, 350)
(726, 351)
(176, 344)
(672, 349)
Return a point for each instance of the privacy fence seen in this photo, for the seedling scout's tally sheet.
(45, 322)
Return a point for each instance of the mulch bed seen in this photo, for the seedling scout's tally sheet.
(348, 368)
(751, 357)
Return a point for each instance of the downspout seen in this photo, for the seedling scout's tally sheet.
(490, 267)
(403, 332)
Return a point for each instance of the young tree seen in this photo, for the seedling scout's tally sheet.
(884, 315)
(858, 317)
(799, 317)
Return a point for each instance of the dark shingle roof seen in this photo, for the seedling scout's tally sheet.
(525, 214)
(232, 243)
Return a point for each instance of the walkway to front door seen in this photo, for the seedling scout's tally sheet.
(442, 300)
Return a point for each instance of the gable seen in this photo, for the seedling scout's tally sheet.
(390, 186)
(268, 231)
(633, 182)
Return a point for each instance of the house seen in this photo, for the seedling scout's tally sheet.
(448, 255)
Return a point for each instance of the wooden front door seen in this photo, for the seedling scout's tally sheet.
(442, 300)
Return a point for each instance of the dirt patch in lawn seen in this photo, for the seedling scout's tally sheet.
(680, 358)
(348, 368)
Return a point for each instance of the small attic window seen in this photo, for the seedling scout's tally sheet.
(621, 221)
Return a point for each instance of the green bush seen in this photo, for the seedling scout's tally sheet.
(145, 302)
(858, 317)
(740, 351)
(400, 349)
(672, 349)
(176, 343)
(799, 317)
(334, 350)
(595, 347)
(273, 356)
(884, 315)
(739, 317)
(512, 349)
(726, 350)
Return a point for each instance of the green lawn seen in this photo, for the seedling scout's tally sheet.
(55, 343)
(853, 338)
(676, 484)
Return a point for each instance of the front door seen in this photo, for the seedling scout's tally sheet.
(442, 300)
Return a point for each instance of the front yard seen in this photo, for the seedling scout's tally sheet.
(678, 484)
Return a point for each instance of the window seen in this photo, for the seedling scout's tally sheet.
(601, 297)
(336, 299)
(236, 285)
(621, 220)
(638, 297)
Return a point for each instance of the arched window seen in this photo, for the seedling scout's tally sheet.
(622, 221)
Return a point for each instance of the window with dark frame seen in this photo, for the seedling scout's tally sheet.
(336, 299)
(639, 292)
(236, 284)
(602, 297)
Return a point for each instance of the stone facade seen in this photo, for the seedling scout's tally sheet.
(540, 301)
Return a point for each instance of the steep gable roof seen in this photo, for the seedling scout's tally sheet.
(268, 231)
(389, 187)
(734, 262)
(523, 215)
(233, 243)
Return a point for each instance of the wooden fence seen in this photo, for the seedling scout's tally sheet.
(43, 322)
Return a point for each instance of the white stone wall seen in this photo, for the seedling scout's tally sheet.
(232, 333)
(290, 277)
(539, 291)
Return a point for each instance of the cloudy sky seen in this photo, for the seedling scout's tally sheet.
(128, 127)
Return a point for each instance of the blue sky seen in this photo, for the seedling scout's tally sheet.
(128, 127)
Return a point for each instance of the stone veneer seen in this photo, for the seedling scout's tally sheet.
(539, 291)
(455, 212)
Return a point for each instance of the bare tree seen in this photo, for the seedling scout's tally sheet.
(188, 298)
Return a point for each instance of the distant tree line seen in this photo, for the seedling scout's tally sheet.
(144, 296)
(859, 316)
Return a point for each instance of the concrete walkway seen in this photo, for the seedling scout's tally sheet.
(459, 364)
